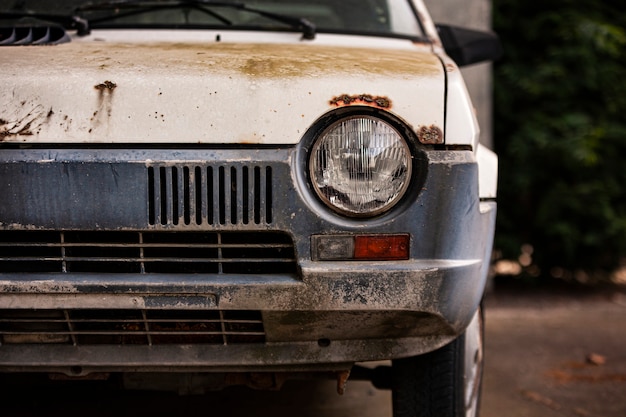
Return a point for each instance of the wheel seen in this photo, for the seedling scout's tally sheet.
(443, 383)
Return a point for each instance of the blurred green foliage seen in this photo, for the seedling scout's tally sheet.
(560, 132)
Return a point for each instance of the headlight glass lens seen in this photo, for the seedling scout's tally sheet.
(360, 166)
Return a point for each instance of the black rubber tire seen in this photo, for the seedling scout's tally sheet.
(431, 385)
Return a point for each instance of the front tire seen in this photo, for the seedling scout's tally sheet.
(443, 383)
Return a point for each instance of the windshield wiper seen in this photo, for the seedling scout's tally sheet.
(136, 7)
(67, 21)
(141, 6)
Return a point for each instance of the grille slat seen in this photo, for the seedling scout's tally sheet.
(147, 252)
(186, 196)
(229, 183)
(143, 259)
(147, 327)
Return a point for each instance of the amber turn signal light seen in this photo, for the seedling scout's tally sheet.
(381, 247)
(385, 247)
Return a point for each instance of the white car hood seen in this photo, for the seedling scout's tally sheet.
(91, 91)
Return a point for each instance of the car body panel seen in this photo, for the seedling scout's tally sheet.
(140, 90)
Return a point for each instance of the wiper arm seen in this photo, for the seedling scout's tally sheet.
(67, 21)
(301, 24)
(305, 26)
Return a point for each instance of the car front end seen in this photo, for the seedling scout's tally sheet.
(237, 201)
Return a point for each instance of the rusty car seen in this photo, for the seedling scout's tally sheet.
(244, 192)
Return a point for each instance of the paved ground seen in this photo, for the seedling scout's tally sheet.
(556, 354)
(549, 354)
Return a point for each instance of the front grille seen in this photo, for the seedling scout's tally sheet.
(206, 195)
(130, 327)
(147, 252)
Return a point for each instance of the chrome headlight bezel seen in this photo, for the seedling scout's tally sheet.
(404, 172)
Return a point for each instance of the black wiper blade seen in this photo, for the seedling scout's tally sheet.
(67, 21)
(303, 25)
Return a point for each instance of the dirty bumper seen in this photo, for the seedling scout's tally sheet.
(329, 318)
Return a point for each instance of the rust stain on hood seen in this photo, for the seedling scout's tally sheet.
(254, 60)
(103, 92)
(430, 135)
(27, 124)
(361, 99)
(290, 60)
(107, 85)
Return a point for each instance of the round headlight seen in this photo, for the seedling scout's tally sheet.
(360, 166)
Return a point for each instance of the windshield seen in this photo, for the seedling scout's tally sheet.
(377, 17)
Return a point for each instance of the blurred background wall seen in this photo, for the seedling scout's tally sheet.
(475, 14)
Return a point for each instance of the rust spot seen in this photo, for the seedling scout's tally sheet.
(107, 85)
(105, 100)
(27, 125)
(5, 130)
(23, 131)
(362, 99)
(342, 380)
(430, 135)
